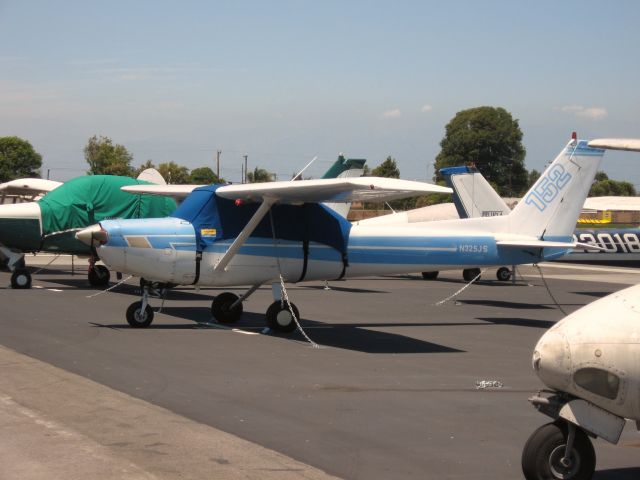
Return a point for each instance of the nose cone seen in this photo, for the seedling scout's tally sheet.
(552, 360)
(94, 236)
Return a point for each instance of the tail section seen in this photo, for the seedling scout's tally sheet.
(473, 196)
(550, 209)
(344, 168)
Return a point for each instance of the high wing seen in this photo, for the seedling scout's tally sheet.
(28, 186)
(368, 189)
(178, 192)
(630, 144)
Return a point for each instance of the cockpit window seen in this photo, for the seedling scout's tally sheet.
(598, 381)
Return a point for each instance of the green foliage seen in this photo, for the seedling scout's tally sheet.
(387, 169)
(18, 159)
(105, 158)
(533, 176)
(614, 188)
(204, 176)
(259, 175)
(490, 138)
(174, 174)
(143, 167)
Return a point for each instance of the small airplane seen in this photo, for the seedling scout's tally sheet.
(235, 235)
(25, 189)
(50, 223)
(590, 361)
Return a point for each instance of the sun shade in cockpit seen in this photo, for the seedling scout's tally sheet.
(84, 201)
(216, 218)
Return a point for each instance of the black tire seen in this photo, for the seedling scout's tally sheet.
(279, 317)
(138, 319)
(544, 449)
(99, 276)
(503, 274)
(430, 275)
(470, 273)
(21, 279)
(221, 308)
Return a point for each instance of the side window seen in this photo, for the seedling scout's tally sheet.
(598, 381)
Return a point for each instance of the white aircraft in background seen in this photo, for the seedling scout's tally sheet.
(260, 233)
(590, 361)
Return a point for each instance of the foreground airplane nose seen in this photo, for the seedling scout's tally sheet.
(94, 236)
(552, 360)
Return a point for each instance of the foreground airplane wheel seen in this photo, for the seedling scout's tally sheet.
(279, 317)
(221, 308)
(470, 273)
(21, 278)
(99, 276)
(543, 453)
(430, 275)
(138, 318)
(503, 274)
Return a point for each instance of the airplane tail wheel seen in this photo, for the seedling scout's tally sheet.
(279, 317)
(99, 276)
(503, 274)
(21, 278)
(543, 456)
(430, 275)
(221, 308)
(470, 273)
(138, 318)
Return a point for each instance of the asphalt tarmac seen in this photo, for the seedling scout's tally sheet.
(392, 392)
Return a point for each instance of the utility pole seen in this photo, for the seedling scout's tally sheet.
(218, 153)
(245, 168)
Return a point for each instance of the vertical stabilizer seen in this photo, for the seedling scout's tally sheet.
(550, 209)
(473, 196)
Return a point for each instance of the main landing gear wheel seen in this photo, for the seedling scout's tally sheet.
(138, 318)
(221, 308)
(470, 273)
(543, 454)
(99, 276)
(503, 274)
(21, 278)
(279, 317)
(430, 275)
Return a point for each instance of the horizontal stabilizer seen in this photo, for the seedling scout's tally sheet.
(28, 186)
(174, 191)
(533, 243)
(368, 189)
(630, 144)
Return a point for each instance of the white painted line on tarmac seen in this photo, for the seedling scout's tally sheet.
(238, 330)
(54, 289)
(37, 286)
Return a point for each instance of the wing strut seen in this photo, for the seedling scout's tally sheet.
(244, 234)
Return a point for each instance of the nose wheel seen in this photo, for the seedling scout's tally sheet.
(98, 276)
(558, 450)
(139, 315)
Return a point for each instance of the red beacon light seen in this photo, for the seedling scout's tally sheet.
(238, 202)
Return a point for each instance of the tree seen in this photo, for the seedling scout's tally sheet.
(105, 158)
(173, 173)
(18, 159)
(604, 186)
(259, 175)
(387, 169)
(143, 167)
(533, 176)
(204, 176)
(490, 138)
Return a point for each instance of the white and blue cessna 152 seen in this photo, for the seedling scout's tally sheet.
(254, 234)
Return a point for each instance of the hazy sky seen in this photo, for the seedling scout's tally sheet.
(284, 81)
